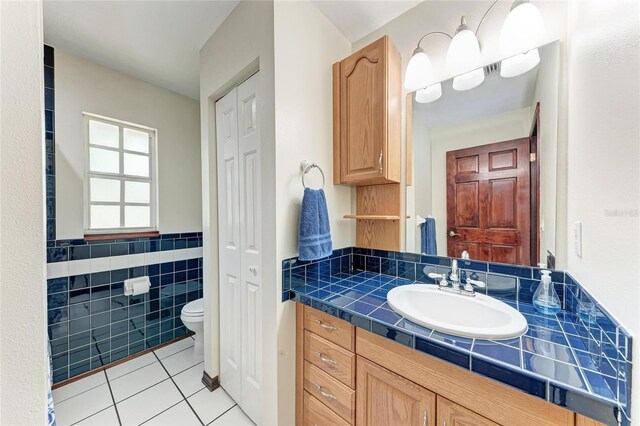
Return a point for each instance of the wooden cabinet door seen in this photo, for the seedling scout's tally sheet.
(363, 101)
(383, 398)
(451, 414)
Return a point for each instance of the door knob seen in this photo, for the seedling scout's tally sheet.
(453, 233)
(253, 270)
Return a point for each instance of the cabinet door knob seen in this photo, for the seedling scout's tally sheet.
(425, 418)
(380, 163)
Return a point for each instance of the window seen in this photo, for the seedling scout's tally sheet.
(120, 182)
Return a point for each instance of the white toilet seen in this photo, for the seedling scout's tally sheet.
(192, 316)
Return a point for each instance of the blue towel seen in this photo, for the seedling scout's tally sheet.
(428, 233)
(314, 235)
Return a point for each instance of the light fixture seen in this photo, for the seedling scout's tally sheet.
(429, 94)
(520, 63)
(420, 73)
(521, 34)
(522, 29)
(463, 58)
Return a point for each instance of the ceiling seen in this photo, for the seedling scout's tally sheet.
(357, 18)
(155, 41)
(159, 41)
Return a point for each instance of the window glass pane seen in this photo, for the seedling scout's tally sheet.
(104, 217)
(137, 192)
(103, 134)
(136, 165)
(135, 140)
(105, 190)
(101, 160)
(137, 216)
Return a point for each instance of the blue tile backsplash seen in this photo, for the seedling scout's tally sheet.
(579, 358)
(90, 321)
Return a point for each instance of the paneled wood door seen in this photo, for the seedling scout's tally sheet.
(367, 115)
(239, 227)
(488, 202)
(451, 414)
(384, 398)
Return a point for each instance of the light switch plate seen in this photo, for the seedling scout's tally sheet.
(577, 238)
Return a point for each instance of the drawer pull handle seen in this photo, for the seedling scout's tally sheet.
(327, 326)
(425, 418)
(325, 359)
(324, 393)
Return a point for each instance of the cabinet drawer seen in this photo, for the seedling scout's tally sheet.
(331, 328)
(331, 358)
(317, 414)
(329, 391)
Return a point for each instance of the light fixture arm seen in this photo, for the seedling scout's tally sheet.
(485, 15)
(431, 33)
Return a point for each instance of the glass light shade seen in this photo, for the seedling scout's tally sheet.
(522, 30)
(468, 80)
(463, 53)
(519, 64)
(429, 94)
(419, 71)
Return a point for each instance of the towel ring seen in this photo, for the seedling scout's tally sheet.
(306, 167)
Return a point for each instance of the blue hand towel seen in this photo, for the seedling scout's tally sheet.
(428, 233)
(314, 235)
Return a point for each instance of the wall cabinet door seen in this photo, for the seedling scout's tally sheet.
(384, 398)
(367, 90)
(451, 414)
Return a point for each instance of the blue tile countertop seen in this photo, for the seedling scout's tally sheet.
(552, 361)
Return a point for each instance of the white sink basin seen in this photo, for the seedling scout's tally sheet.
(480, 317)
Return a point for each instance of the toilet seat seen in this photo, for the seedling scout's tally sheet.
(193, 309)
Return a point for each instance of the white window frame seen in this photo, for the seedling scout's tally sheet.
(152, 179)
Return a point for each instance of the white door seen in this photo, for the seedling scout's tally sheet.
(240, 251)
(229, 244)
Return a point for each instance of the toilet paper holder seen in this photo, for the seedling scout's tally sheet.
(135, 286)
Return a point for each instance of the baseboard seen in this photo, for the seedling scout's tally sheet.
(120, 361)
(212, 383)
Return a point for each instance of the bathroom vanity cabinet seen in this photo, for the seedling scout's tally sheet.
(367, 110)
(348, 376)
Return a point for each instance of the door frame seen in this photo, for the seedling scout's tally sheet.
(534, 171)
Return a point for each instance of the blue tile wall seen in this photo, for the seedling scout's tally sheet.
(90, 321)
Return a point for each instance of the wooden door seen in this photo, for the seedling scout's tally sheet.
(488, 202)
(363, 103)
(451, 414)
(384, 398)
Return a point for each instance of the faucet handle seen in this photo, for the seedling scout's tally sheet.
(470, 283)
(441, 277)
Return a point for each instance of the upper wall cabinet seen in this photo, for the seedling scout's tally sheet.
(367, 91)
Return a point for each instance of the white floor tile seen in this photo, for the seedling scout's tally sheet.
(136, 381)
(233, 417)
(174, 347)
(190, 381)
(83, 405)
(129, 366)
(182, 360)
(106, 417)
(77, 387)
(210, 405)
(143, 406)
(178, 415)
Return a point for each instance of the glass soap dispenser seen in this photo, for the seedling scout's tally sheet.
(545, 299)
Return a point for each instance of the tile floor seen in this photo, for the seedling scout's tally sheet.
(159, 388)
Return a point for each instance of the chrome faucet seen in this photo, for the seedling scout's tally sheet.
(454, 286)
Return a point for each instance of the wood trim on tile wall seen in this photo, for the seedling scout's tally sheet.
(299, 363)
(211, 383)
(121, 236)
(118, 362)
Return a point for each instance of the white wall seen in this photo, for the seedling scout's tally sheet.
(23, 304)
(239, 47)
(496, 128)
(603, 157)
(84, 86)
(306, 45)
